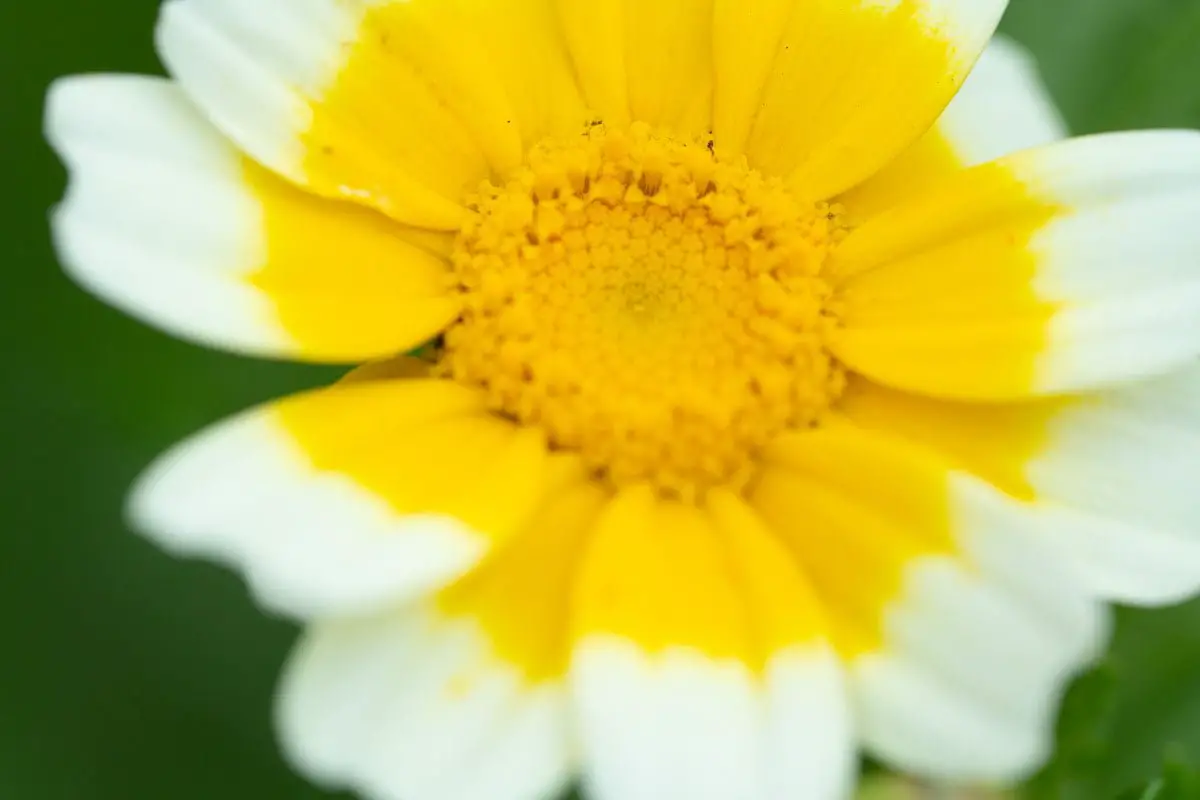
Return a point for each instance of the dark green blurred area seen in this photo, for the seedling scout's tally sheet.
(129, 675)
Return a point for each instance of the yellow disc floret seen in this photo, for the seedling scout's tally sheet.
(649, 303)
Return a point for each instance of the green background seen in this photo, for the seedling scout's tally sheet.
(127, 674)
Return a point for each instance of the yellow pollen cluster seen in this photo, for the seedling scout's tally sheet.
(649, 303)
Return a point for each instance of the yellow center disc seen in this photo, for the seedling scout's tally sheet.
(650, 304)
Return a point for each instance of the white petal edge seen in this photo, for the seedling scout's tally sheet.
(257, 97)
(409, 704)
(309, 543)
(978, 649)
(1116, 483)
(1125, 260)
(681, 725)
(1003, 107)
(157, 219)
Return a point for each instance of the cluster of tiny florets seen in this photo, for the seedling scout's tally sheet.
(650, 304)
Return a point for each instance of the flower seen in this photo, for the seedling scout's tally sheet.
(752, 415)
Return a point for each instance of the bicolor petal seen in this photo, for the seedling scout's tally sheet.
(346, 499)
(164, 218)
(404, 106)
(828, 93)
(1002, 108)
(1064, 268)
(959, 623)
(461, 697)
(1109, 476)
(700, 667)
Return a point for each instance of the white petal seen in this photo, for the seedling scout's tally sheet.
(1126, 258)
(257, 94)
(678, 724)
(412, 705)
(1003, 107)
(978, 650)
(1117, 481)
(156, 219)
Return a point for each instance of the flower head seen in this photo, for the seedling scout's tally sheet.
(764, 401)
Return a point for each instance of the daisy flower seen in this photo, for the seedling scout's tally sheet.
(731, 401)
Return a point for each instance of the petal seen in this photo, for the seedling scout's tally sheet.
(166, 220)
(827, 93)
(401, 105)
(411, 706)
(340, 500)
(461, 698)
(650, 62)
(1111, 475)
(699, 667)
(526, 47)
(1068, 267)
(959, 623)
(1003, 107)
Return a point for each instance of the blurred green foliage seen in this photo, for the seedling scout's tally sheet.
(131, 675)
(1178, 782)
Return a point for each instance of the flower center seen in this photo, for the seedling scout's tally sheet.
(649, 303)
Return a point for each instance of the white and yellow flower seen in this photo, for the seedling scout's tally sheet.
(768, 408)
